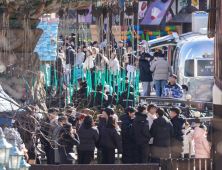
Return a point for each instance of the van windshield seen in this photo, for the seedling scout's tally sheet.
(205, 67)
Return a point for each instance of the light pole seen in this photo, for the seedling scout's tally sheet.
(5, 148)
(15, 158)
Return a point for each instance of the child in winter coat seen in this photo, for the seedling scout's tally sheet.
(188, 137)
(202, 148)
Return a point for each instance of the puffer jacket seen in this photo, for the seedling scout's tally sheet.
(202, 148)
(88, 137)
(111, 138)
(162, 131)
(123, 99)
(140, 128)
(187, 138)
(150, 119)
(161, 69)
(130, 152)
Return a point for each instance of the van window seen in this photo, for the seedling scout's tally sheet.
(205, 67)
(189, 68)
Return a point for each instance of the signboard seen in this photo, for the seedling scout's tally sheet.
(200, 105)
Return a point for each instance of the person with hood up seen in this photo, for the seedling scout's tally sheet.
(130, 153)
(178, 121)
(140, 131)
(110, 139)
(202, 147)
(88, 135)
(188, 137)
(161, 130)
(67, 139)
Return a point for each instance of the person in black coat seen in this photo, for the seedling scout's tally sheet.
(110, 139)
(67, 139)
(178, 121)
(71, 117)
(140, 131)
(145, 74)
(162, 131)
(123, 99)
(130, 152)
(88, 135)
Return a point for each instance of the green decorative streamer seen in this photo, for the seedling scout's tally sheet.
(128, 90)
(107, 74)
(118, 88)
(50, 76)
(95, 83)
(114, 82)
(56, 83)
(124, 81)
(103, 91)
(70, 92)
(60, 91)
(82, 72)
(87, 75)
(137, 84)
(133, 89)
(33, 83)
(110, 83)
(46, 84)
(40, 67)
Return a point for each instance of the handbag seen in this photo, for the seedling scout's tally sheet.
(70, 156)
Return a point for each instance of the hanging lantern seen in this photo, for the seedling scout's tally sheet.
(5, 148)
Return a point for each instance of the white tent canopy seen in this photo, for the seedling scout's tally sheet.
(7, 104)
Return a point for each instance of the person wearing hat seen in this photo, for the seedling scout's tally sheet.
(145, 74)
(161, 70)
(172, 89)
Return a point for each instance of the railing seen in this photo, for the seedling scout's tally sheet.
(201, 106)
(96, 167)
(186, 164)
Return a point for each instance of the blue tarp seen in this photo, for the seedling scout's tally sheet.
(46, 50)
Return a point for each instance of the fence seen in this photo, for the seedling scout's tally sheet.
(96, 167)
(186, 164)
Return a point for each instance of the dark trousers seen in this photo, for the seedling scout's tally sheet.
(84, 157)
(108, 155)
(52, 155)
(47, 148)
(143, 151)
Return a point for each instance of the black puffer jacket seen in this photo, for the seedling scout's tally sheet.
(70, 55)
(88, 137)
(130, 153)
(123, 99)
(140, 128)
(179, 127)
(111, 138)
(145, 73)
(162, 131)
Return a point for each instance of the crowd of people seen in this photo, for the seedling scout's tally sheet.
(143, 134)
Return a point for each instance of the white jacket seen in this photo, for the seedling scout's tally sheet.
(188, 134)
(114, 64)
(88, 62)
(80, 57)
(150, 119)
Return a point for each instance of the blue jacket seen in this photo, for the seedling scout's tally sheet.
(175, 90)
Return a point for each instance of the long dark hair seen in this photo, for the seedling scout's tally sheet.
(111, 123)
(65, 130)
